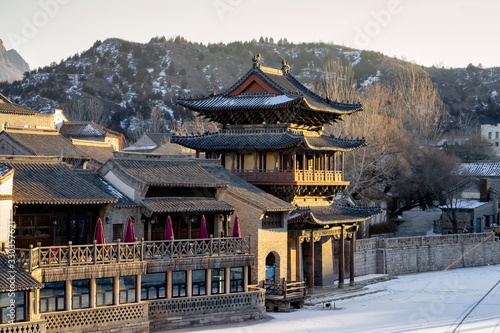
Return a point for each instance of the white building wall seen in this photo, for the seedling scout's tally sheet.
(5, 208)
(491, 133)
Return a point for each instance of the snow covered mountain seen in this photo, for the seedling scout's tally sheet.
(12, 65)
(120, 81)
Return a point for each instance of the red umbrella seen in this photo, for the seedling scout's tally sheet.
(169, 233)
(129, 234)
(203, 228)
(99, 237)
(236, 228)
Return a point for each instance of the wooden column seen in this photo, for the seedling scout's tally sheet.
(37, 302)
(149, 228)
(342, 160)
(255, 159)
(324, 166)
(341, 258)
(92, 292)
(116, 290)
(232, 161)
(245, 278)
(138, 284)
(304, 166)
(227, 273)
(314, 166)
(189, 228)
(298, 259)
(294, 161)
(169, 284)
(209, 281)
(69, 294)
(189, 283)
(351, 261)
(276, 164)
(310, 273)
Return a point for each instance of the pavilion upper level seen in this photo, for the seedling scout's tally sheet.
(269, 96)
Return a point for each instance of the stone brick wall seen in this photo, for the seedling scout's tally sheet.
(406, 255)
(264, 241)
(119, 216)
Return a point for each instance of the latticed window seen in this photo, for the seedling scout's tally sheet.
(81, 294)
(199, 282)
(127, 289)
(179, 284)
(218, 281)
(271, 220)
(236, 279)
(16, 313)
(52, 297)
(33, 224)
(104, 292)
(153, 286)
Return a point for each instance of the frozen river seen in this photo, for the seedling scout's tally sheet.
(424, 302)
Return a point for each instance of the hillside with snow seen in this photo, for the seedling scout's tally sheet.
(116, 82)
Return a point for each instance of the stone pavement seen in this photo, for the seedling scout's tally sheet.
(320, 295)
(418, 222)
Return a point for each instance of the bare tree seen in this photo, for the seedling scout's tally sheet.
(417, 104)
(338, 82)
(431, 177)
(87, 109)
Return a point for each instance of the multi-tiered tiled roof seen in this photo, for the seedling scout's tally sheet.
(332, 214)
(269, 96)
(265, 140)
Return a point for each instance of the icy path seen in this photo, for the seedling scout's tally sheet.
(425, 302)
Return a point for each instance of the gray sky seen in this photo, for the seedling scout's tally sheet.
(429, 32)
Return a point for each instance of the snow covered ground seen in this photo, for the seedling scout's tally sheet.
(424, 302)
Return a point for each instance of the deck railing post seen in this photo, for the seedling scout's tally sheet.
(70, 253)
(142, 249)
(211, 245)
(250, 243)
(95, 252)
(30, 256)
(118, 250)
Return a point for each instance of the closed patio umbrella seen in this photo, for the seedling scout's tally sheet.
(130, 234)
(99, 235)
(236, 228)
(169, 233)
(203, 228)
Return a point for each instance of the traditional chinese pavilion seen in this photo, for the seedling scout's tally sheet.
(271, 135)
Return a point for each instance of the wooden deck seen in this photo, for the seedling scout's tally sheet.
(280, 296)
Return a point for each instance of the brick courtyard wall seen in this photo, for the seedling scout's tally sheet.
(395, 256)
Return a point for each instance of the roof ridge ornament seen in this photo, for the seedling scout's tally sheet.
(286, 67)
(256, 60)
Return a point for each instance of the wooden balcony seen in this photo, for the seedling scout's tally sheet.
(297, 177)
(117, 253)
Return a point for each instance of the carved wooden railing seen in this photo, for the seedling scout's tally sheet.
(289, 175)
(206, 304)
(80, 255)
(97, 319)
(24, 327)
(286, 288)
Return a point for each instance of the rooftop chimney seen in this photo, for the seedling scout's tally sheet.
(484, 190)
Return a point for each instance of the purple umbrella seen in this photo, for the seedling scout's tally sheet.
(203, 228)
(129, 235)
(99, 237)
(236, 228)
(169, 233)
